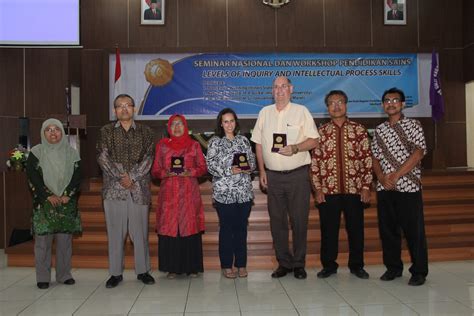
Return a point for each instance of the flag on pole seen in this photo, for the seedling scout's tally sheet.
(436, 95)
(118, 80)
(118, 73)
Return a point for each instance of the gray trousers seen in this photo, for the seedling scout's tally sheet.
(288, 196)
(124, 217)
(43, 246)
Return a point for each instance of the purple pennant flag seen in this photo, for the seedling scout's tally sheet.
(436, 96)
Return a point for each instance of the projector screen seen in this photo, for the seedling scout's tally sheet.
(41, 22)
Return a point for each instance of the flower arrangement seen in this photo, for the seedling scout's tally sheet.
(17, 158)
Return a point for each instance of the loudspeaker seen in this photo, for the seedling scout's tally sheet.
(24, 133)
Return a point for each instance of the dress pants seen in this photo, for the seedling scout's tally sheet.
(330, 220)
(233, 221)
(122, 217)
(397, 212)
(43, 244)
(288, 196)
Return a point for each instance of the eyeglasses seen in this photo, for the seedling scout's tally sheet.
(283, 86)
(391, 101)
(124, 106)
(52, 130)
(338, 102)
(177, 123)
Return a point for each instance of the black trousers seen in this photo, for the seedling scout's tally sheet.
(397, 212)
(288, 196)
(330, 219)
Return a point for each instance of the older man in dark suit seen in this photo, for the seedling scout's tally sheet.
(154, 12)
(394, 13)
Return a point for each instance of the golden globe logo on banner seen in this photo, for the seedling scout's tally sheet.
(276, 3)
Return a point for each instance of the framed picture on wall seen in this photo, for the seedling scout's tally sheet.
(395, 12)
(153, 12)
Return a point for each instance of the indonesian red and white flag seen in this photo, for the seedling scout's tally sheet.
(118, 80)
(118, 74)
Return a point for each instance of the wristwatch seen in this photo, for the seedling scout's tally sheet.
(295, 149)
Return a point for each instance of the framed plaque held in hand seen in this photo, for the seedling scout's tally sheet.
(241, 161)
(279, 141)
(177, 164)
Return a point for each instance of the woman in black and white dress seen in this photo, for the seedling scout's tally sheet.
(232, 190)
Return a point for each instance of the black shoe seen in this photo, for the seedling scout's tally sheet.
(360, 273)
(300, 273)
(113, 281)
(390, 275)
(324, 273)
(417, 279)
(146, 278)
(281, 272)
(70, 281)
(42, 285)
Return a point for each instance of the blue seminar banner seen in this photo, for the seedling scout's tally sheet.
(200, 85)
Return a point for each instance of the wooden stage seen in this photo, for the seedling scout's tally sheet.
(449, 219)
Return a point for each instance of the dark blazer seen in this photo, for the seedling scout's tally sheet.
(148, 15)
(399, 16)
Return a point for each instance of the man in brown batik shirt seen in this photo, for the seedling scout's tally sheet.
(125, 155)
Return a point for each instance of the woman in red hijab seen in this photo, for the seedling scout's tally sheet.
(179, 161)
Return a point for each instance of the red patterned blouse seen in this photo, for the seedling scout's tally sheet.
(343, 162)
(180, 210)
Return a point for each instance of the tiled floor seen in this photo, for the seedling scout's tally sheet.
(448, 291)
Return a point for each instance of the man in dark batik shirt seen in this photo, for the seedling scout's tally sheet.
(125, 155)
(398, 147)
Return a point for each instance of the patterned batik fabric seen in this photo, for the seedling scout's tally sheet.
(229, 188)
(120, 151)
(179, 208)
(48, 219)
(342, 164)
(393, 145)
